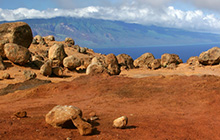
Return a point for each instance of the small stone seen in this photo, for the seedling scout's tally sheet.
(21, 114)
(68, 138)
(6, 76)
(120, 122)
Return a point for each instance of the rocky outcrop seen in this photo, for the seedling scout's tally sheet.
(193, 61)
(170, 59)
(144, 60)
(125, 61)
(210, 57)
(57, 52)
(16, 53)
(46, 68)
(16, 32)
(71, 62)
(120, 122)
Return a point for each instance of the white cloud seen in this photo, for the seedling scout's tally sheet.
(166, 17)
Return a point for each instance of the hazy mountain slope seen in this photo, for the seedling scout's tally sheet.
(105, 33)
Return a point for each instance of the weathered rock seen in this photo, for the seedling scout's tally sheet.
(193, 61)
(46, 68)
(210, 57)
(57, 52)
(112, 64)
(144, 60)
(49, 38)
(156, 64)
(69, 41)
(6, 76)
(37, 60)
(71, 62)
(2, 66)
(16, 32)
(125, 61)
(38, 38)
(2, 44)
(95, 68)
(167, 59)
(82, 50)
(62, 116)
(16, 53)
(84, 127)
(86, 61)
(120, 122)
(58, 71)
(29, 74)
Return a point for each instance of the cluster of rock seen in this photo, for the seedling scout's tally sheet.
(71, 116)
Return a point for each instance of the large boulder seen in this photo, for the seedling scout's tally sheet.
(71, 62)
(69, 41)
(193, 61)
(95, 68)
(156, 64)
(16, 53)
(16, 32)
(144, 60)
(125, 61)
(38, 40)
(49, 38)
(112, 64)
(170, 59)
(210, 57)
(61, 116)
(57, 52)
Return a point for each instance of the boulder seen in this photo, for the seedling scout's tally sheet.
(156, 64)
(144, 60)
(167, 59)
(71, 62)
(57, 52)
(16, 53)
(193, 61)
(16, 32)
(69, 41)
(95, 68)
(125, 61)
(49, 38)
(57, 71)
(210, 57)
(62, 116)
(29, 74)
(82, 50)
(2, 44)
(6, 76)
(112, 64)
(120, 122)
(46, 68)
(2, 66)
(37, 60)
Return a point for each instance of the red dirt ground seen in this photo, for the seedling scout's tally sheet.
(159, 107)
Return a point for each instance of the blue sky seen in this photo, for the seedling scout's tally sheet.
(196, 15)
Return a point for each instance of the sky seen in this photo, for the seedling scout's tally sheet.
(194, 15)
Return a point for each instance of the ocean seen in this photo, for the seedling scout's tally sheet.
(184, 52)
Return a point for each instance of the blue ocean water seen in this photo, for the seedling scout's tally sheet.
(184, 52)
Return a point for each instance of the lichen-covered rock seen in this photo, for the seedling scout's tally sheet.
(120, 122)
(69, 41)
(62, 116)
(144, 60)
(16, 32)
(46, 68)
(125, 61)
(71, 62)
(168, 59)
(16, 53)
(210, 57)
(57, 52)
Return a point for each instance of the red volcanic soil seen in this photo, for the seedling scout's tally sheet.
(160, 107)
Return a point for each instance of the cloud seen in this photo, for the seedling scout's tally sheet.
(166, 17)
(205, 4)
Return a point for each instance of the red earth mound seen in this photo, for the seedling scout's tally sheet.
(160, 107)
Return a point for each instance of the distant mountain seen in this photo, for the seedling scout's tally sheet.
(105, 33)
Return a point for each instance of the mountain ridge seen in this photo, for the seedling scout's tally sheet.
(97, 33)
